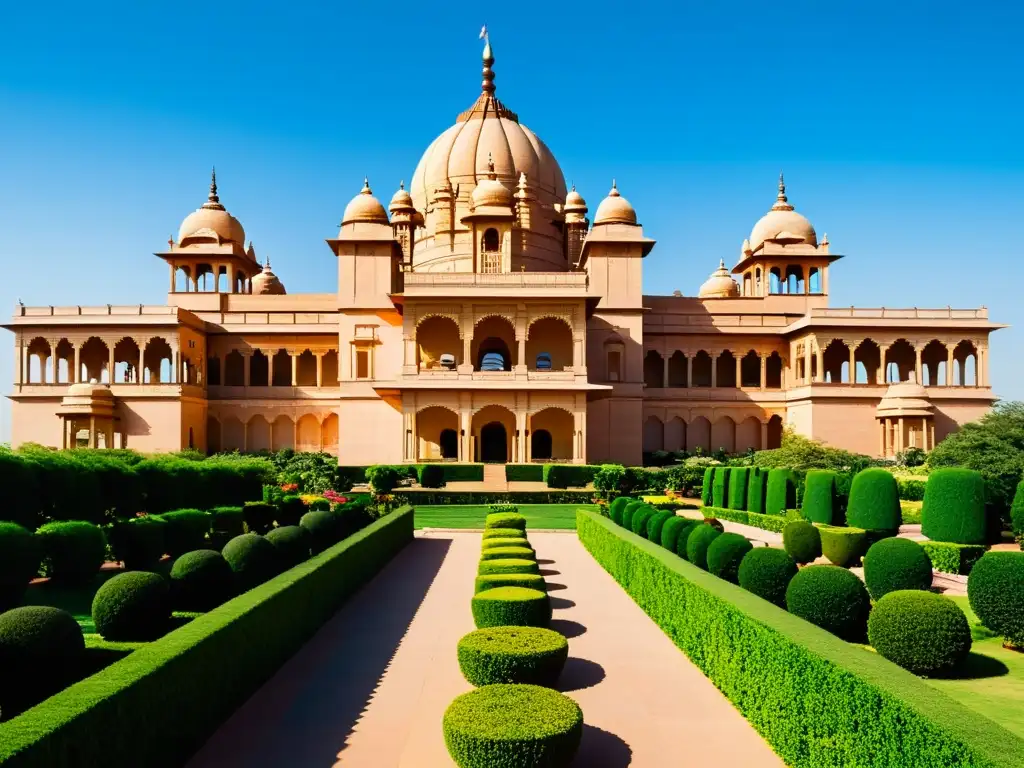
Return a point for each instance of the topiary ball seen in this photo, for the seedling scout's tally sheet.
(507, 565)
(896, 564)
(292, 543)
(832, 598)
(503, 533)
(656, 523)
(505, 520)
(200, 581)
(41, 650)
(638, 523)
(530, 655)
(323, 528)
(499, 553)
(924, 633)
(19, 563)
(132, 606)
(511, 606)
(698, 542)
(512, 726)
(253, 559)
(994, 591)
(766, 572)
(73, 551)
(725, 553)
(492, 580)
(670, 532)
(689, 526)
(617, 507)
(628, 511)
(802, 541)
(954, 506)
(874, 503)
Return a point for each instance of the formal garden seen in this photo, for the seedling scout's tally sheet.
(855, 612)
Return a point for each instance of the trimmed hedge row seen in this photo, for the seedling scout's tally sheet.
(166, 698)
(513, 654)
(954, 506)
(569, 475)
(819, 502)
(816, 699)
(524, 473)
(444, 497)
(843, 546)
(773, 523)
(953, 558)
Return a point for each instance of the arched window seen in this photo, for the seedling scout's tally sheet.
(490, 241)
(544, 361)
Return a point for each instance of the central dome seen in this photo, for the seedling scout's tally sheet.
(487, 129)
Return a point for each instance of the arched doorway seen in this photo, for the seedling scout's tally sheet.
(494, 443)
(541, 444)
(449, 444)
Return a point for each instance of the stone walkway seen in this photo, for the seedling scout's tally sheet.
(370, 688)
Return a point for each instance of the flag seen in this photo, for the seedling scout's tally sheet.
(483, 32)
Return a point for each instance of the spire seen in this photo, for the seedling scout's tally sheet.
(212, 200)
(366, 186)
(488, 83)
(615, 190)
(266, 264)
(782, 202)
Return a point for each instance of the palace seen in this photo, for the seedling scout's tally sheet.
(484, 317)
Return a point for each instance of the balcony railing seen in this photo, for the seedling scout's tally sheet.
(105, 309)
(496, 280)
(913, 313)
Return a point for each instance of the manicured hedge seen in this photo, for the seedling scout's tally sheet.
(832, 598)
(954, 506)
(843, 546)
(569, 475)
(817, 700)
(138, 542)
(132, 606)
(41, 650)
(1017, 513)
(910, 489)
(511, 607)
(259, 516)
(994, 590)
(739, 477)
(165, 699)
(953, 558)
(186, 530)
(451, 472)
(895, 564)
(446, 497)
(494, 580)
(874, 501)
(19, 563)
(500, 553)
(773, 523)
(767, 571)
(503, 533)
(509, 541)
(509, 565)
(292, 543)
(683, 538)
(655, 524)
(705, 489)
(529, 655)
(923, 632)
(505, 520)
(757, 489)
(725, 553)
(802, 541)
(200, 581)
(819, 503)
(617, 507)
(780, 492)
(638, 523)
(670, 532)
(628, 511)
(253, 559)
(291, 508)
(698, 542)
(73, 551)
(720, 487)
(524, 473)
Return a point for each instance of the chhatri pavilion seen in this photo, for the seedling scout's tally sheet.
(485, 314)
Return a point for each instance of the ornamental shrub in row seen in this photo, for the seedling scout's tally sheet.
(954, 506)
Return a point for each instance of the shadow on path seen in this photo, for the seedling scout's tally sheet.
(580, 673)
(554, 587)
(601, 749)
(545, 562)
(561, 602)
(548, 572)
(303, 715)
(567, 627)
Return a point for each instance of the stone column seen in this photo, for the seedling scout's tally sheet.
(807, 362)
(739, 372)
(295, 367)
(78, 365)
(917, 365)
(319, 369)
(764, 377)
(467, 350)
(465, 433)
(981, 374)
(245, 432)
(881, 437)
(92, 432)
(110, 367)
(577, 421)
(900, 439)
(139, 377)
(415, 440)
(714, 370)
(853, 365)
(171, 289)
(819, 357)
(520, 365)
(270, 367)
(949, 367)
(689, 370)
(64, 433)
(664, 381)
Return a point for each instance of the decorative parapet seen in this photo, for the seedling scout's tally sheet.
(913, 313)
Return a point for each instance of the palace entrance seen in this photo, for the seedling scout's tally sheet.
(494, 443)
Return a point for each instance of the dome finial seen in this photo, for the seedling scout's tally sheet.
(401, 184)
(212, 200)
(782, 202)
(366, 186)
(615, 190)
(488, 83)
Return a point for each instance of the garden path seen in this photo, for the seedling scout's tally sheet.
(370, 688)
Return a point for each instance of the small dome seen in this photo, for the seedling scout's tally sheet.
(574, 202)
(490, 191)
(782, 224)
(720, 285)
(615, 209)
(401, 201)
(364, 207)
(211, 222)
(266, 283)
(905, 398)
(92, 388)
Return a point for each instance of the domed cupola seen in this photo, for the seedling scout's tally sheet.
(782, 225)
(211, 223)
(575, 207)
(364, 208)
(490, 192)
(401, 201)
(615, 209)
(720, 285)
(266, 283)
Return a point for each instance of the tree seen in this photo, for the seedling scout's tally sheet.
(801, 453)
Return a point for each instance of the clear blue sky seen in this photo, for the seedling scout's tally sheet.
(898, 125)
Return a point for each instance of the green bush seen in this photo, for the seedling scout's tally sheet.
(843, 546)
(505, 520)
(477, 498)
(953, 558)
(524, 473)
(697, 543)
(517, 541)
(638, 523)
(259, 516)
(655, 524)
(505, 553)
(706, 487)
(757, 488)
(132, 606)
(138, 542)
(512, 726)
(289, 511)
(629, 511)
(802, 541)
(831, 597)
(72, 551)
(894, 564)
(292, 543)
(817, 700)
(383, 478)
(569, 475)
(954, 506)
(493, 580)
(725, 553)
(186, 530)
(739, 480)
(324, 529)
(780, 492)
(503, 533)
(720, 487)
(617, 507)
(530, 655)
(994, 591)
(41, 650)
(670, 532)
(1017, 514)
(683, 538)
(253, 559)
(511, 607)
(506, 566)
(451, 472)
(767, 571)
(910, 489)
(314, 506)
(874, 501)
(19, 563)
(924, 633)
(432, 476)
(819, 502)
(228, 522)
(200, 581)
(772, 523)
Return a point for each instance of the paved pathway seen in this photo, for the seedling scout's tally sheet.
(370, 688)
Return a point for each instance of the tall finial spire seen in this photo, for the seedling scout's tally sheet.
(782, 202)
(488, 83)
(366, 186)
(212, 200)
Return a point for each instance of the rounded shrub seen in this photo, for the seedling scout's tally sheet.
(132, 606)
(19, 563)
(499, 553)
(617, 507)
(923, 632)
(767, 571)
(655, 524)
(832, 598)
(259, 516)
(505, 520)
(200, 581)
(493, 580)
(629, 511)
(842, 546)
(72, 551)
(323, 529)
(520, 541)
(138, 542)
(689, 526)
(698, 542)
(291, 508)
(41, 650)
(292, 544)
(780, 492)
(725, 553)
(638, 524)
(432, 476)
(186, 530)
(670, 531)
(893, 564)
(511, 607)
(507, 565)
(994, 591)
(503, 533)
(819, 502)
(253, 560)
(531, 655)
(802, 541)
(874, 503)
(954, 506)
(512, 726)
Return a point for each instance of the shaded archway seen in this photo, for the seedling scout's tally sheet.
(259, 369)
(750, 370)
(677, 370)
(725, 370)
(94, 358)
(701, 370)
(900, 361)
(654, 435)
(552, 337)
(232, 434)
(213, 371)
(437, 335)
(158, 362)
(698, 435)
(723, 435)
(867, 357)
(493, 428)
(329, 434)
(38, 362)
(493, 443)
(307, 433)
(283, 434)
(748, 435)
(494, 339)
(965, 364)
(774, 432)
(675, 434)
(305, 369)
(282, 369)
(234, 369)
(126, 361)
(836, 362)
(449, 444)
(773, 371)
(431, 422)
(934, 361)
(257, 434)
(654, 369)
(560, 428)
(213, 438)
(540, 445)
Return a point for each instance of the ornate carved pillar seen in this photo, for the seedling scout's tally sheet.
(949, 366)
(78, 364)
(917, 363)
(110, 365)
(853, 363)
(295, 367)
(714, 369)
(520, 365)
(689, 369)
(139, 376)
(764, 380)
(319, 369)
(467, 349)
(577, 354)
(819, 356)
(739, 371)
(270, 366)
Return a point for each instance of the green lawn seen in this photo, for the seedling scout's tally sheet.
(473, 515)
(992, 680)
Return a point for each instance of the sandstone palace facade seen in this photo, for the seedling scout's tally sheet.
(484, 317)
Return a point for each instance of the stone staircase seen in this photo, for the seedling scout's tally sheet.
(494, 478)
